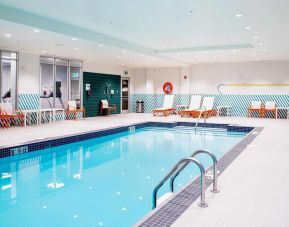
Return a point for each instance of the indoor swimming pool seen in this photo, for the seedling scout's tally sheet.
(106, 181)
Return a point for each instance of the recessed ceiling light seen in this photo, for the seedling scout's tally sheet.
(141, 55)
(36, 30)
(255, 37)
(239, 15)
(75, 48)
(260, 44)
(100, 45)
(248, 27)
(8, 35)
(74, 39)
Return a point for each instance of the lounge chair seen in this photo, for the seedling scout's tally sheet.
(167, 106)
(7, 115)
(270, 106)
(206, 109)
(195, 103)
(72, 108)
(105, 106)
(256, 106)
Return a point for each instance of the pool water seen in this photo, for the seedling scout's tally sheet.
(107, 181)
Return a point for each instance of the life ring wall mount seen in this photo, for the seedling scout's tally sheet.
(168, 88)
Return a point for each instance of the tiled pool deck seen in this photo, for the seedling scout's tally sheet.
(254, 189)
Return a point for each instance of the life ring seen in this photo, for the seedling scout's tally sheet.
(168, 87)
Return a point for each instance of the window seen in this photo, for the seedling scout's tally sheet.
(60, 82)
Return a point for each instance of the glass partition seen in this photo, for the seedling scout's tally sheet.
(60, 82)
(47, 85)
(61, 86)
(8, 77)
(75, 73)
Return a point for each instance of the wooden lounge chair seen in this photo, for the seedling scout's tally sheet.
(256, 106)
(105, 106)
(206, 109)
(167, 106)
(72, 108)
(270, 106)
(195, 103)
(7, 116)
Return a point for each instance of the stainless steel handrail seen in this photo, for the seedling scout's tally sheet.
(215, 173)
(173, 170)
(205, 116)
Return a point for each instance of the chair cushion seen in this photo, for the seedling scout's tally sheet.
(104, 104)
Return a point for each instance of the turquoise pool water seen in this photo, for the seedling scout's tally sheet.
(106, 181)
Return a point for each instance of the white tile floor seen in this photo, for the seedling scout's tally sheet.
(254, 188)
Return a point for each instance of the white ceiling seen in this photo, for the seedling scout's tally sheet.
(149, 33)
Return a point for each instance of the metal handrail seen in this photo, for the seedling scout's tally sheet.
(173, 170)
(215, 173)
(205, 116)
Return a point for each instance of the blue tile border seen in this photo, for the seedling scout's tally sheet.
(58, 141)
(167, 213)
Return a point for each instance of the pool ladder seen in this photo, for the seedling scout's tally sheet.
(205, 117)
(180, 166)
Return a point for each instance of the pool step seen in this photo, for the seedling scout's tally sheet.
(181, 129)
(192, 130)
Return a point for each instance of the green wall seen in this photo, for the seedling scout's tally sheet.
(97, 83)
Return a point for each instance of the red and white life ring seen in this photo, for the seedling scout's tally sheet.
(168, 87)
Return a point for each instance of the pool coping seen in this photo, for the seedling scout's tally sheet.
(38, 144)
(173, 207)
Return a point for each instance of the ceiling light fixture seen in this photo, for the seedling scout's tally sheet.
(36, 30)
(141, 55)
(239, 15)
(255, 37)
(100, 45)
(75, 48)
(44, 51)
(260, 44)
(264, 49)
(8, 35)
(248, 27)
(74, 39)
(124, 51)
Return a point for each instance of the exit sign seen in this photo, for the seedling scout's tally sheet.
(74, 75)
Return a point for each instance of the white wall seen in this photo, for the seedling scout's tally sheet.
(150, 81)
(138, 81)
(28, 77)
(205, 78)
(89, 66)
